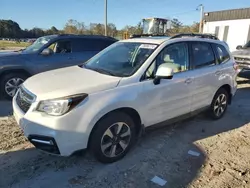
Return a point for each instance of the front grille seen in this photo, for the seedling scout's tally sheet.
(241, 59)
(243, 63)
(24, 100)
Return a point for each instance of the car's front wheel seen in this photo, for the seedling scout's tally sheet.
(112, 137)
(219, 104)
(10, 83)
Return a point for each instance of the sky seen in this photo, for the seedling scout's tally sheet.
(47, 13)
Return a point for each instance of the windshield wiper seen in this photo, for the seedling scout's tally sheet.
(20, 50)
(103, 71)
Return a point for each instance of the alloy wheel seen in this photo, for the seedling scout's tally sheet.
(12, 86)
(220, 105)
(115, 139)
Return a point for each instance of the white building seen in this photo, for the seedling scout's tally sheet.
(232, 26)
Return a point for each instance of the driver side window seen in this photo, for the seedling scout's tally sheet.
(174, 55)
(61, 47)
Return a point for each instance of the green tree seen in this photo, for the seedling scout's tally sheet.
(111, 30)
(175, 25)
(10, 29)
(71, 27)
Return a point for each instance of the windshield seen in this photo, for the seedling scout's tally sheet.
(247, 45)
(121, 59)
(38, 44)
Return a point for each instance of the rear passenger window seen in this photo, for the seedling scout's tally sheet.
(223, 54)
(202, 54)
(81, 45)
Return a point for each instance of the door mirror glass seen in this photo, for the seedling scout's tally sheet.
(163, 72)
(47, 52)
(238, 47)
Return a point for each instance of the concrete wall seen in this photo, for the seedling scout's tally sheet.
(237, 33)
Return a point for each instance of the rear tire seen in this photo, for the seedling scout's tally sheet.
(219, 104)
(10, 83)
(112, 137)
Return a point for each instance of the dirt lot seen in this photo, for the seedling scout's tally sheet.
(224, 146)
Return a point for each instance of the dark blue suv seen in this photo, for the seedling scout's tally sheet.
(47, 53)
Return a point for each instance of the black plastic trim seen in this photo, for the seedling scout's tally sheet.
(45, 147)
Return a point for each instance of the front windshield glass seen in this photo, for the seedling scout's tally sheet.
(38, 44)
(121, 59)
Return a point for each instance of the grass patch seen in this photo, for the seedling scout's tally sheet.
(12, 44)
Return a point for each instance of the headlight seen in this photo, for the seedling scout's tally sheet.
(58, 107)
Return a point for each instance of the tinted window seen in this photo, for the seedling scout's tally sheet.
(202, 54)
(223, 54)
(81, 45)
(61, 46)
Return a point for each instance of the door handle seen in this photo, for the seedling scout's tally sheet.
(188, 81)
(71, 58)
(217, 73)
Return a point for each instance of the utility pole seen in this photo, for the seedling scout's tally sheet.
(201, 18)
(106, 15)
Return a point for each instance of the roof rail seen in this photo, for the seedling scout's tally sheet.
(209, 36)
(83, 35)
(148, 35)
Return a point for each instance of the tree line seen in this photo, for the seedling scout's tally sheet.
(11, 29)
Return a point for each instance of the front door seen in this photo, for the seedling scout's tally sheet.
(172, 97)
(61, 57)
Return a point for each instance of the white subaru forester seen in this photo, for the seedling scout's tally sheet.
(105, 103)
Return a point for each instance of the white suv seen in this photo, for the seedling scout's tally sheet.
(108, 101)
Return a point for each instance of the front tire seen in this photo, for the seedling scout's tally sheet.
(113, 137)
(10, 83)
(219, 104)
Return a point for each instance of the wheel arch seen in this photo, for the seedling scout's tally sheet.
(228, 88)
(127, 110)
(17, 70)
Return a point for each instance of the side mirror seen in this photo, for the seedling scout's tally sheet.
(238, 47)
(163, 72)
(47, 52)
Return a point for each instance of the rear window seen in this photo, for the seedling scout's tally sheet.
(202, 54)
(223, 54)
(81, 45)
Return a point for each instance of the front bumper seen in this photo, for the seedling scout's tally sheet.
(61, 135)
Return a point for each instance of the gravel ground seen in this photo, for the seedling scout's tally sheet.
(224, 148)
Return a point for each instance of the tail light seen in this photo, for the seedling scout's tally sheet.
(236, 67)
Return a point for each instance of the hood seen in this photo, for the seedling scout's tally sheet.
(69, 81)
(8, 54)
(242, 53)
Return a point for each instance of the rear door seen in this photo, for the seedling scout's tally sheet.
(86, 48)
(225, 66)
(205, 74)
